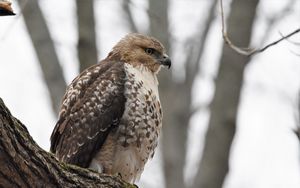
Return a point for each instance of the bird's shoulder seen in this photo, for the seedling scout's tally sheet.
(96, 75)
(93, 103)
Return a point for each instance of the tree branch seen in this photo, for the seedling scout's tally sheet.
(273, 20)
(5, 8)
(24, 164)
(248, 51)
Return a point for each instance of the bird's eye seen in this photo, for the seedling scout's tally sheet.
(149, 51)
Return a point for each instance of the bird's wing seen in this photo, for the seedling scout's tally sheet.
(93, 104)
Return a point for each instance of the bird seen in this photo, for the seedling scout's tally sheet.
(111, 116)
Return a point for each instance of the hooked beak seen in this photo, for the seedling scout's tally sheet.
(166, 61)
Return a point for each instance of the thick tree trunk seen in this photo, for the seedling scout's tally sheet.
(24, 164)
(214, 163)
(45, 51)
(87, 49)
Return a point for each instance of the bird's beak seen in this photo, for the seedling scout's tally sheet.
(166, 61)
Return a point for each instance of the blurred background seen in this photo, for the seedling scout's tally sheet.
(230, 121)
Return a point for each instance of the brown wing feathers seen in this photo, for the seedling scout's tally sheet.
(92, 106)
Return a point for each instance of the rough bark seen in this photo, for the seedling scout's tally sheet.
(24, 164)
(86, 47)
(214, 163)
(45, 51)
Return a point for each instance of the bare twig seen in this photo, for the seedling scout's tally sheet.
(292, 42)
(272, 20)
(249, 51)
(276, 42)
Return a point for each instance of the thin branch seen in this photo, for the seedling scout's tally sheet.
(272, 20)
(292, 42)
(249, 51)
(276, 42)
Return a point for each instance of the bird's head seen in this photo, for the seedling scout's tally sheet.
(137, 49)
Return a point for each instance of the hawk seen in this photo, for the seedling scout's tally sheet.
(111, 115)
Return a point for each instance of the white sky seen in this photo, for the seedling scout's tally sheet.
(265, 152)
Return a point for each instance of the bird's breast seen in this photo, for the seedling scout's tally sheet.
(142, 118)
(140, 125)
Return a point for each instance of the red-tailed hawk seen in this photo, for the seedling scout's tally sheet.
(111, 116)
